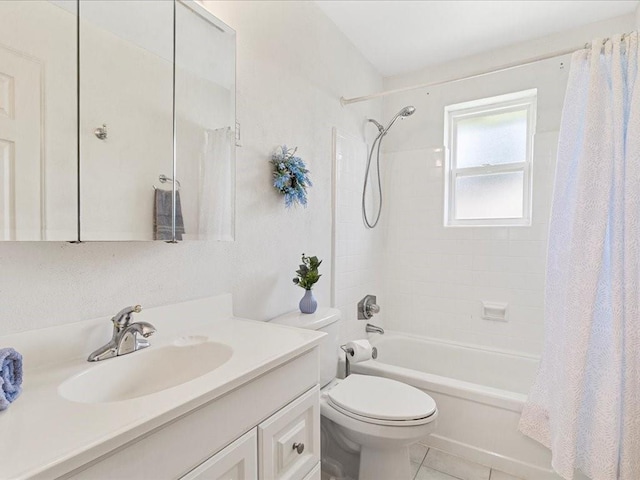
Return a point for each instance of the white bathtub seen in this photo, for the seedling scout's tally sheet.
(479, 393)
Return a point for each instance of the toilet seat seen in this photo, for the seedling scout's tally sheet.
(381, 401)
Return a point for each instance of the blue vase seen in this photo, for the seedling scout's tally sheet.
(308, 304)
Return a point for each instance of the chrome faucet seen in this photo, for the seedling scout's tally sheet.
(127, 337)
(370, 328)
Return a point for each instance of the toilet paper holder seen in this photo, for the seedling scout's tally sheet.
(349, 351)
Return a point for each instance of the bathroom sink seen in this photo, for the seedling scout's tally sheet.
(145, 372)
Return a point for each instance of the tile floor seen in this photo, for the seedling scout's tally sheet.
(432, 464)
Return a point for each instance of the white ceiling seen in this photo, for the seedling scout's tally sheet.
(399, 36)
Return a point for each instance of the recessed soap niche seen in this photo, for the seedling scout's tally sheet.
(495, 311)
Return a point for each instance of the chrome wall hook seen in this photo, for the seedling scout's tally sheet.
(101, 132)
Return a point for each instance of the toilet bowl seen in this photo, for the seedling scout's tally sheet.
(383, 417)
(376, 417)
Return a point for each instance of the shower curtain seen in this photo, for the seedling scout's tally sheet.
(215, 219)
(585, 402)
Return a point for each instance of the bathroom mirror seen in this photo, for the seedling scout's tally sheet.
(205, 123)
(38, 120)
(102, 105)
(126, 118)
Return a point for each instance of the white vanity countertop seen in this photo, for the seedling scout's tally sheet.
(44, 435)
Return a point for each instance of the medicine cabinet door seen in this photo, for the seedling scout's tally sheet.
(38, 120)
(205, 123)
(126, 119)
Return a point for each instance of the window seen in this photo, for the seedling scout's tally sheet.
(489, 143)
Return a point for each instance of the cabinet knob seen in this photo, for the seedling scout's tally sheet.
(298, 447)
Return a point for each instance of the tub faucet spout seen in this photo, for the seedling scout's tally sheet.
(370, 328)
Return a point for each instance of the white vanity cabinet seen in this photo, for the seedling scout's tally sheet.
(266, 429)
(286, 446)
(167, 412)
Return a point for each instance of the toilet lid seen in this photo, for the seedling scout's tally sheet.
(381, 398)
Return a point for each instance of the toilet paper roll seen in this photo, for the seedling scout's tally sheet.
(361, 350)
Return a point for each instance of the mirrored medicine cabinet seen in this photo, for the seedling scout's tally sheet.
(117, 121)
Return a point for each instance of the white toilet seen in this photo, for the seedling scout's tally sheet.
(375, 416)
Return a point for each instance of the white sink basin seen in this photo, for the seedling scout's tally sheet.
(146, 371)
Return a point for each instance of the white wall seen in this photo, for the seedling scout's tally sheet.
(293, 65)
(436, 277)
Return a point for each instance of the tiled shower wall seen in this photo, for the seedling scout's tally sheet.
(357, 264)
(436, 277)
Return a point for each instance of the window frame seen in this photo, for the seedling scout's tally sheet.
(524, 100)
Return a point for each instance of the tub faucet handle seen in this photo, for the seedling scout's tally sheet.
(368, 307)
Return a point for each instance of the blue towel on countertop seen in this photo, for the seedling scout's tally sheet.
(10, 376)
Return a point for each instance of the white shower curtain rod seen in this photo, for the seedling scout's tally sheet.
(508, 66)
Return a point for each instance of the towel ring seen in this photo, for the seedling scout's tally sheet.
(164, 179)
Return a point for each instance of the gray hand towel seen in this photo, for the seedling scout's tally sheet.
(179, 219)
(162, 224)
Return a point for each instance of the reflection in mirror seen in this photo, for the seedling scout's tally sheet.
(126, 119)
(38, 129)
(205, 122)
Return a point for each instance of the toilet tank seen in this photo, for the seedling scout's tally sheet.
(323, 320)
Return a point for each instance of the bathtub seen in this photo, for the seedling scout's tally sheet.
(479, 392)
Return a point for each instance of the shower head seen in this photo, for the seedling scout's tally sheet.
(405, 112)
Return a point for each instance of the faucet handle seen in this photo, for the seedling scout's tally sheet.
(367, 307)
(123, 317)
(373, 308)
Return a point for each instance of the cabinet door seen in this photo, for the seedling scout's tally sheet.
(38, 120)
(205, 104)
(126, 83)
(238, 461)
(289, 441)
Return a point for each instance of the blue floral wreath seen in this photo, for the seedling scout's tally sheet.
(290, 176)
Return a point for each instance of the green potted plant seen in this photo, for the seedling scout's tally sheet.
(307, 276)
